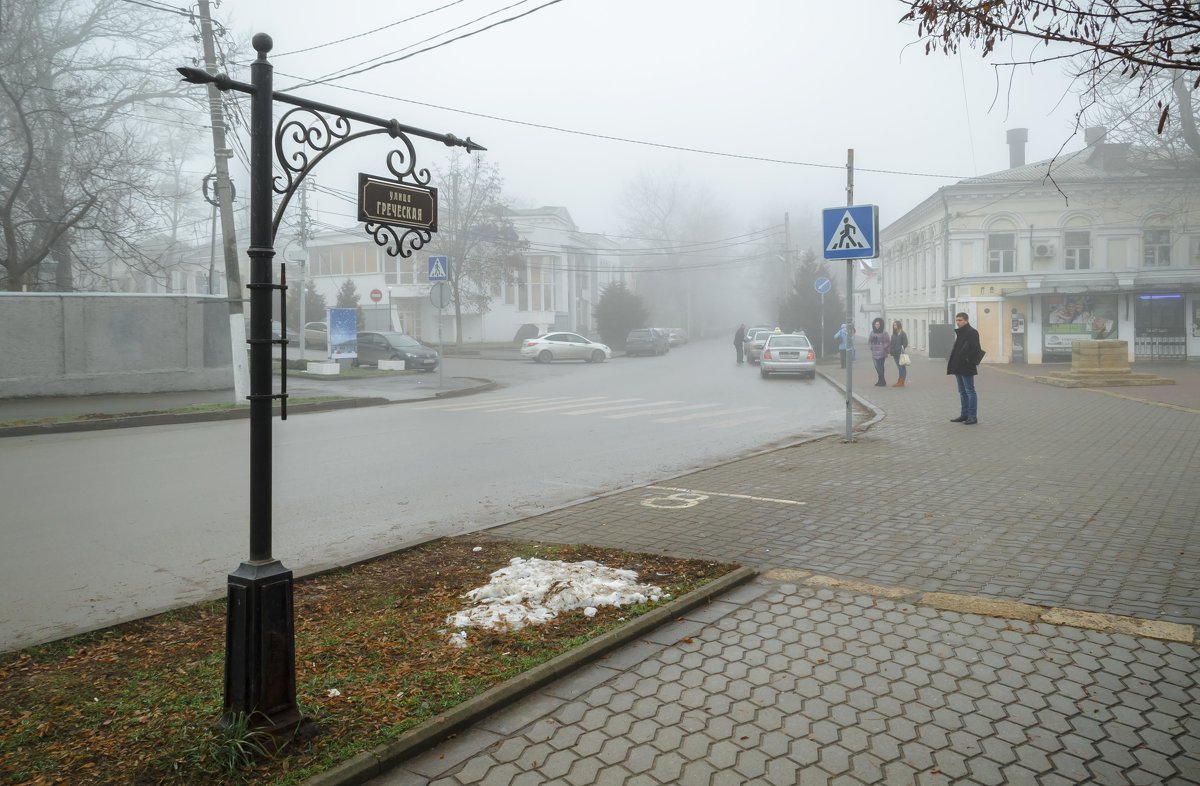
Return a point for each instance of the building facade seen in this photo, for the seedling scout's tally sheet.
(555, 285)
(1103, 242)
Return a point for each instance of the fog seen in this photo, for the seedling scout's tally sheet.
(757, 106)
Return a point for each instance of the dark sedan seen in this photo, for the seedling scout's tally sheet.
(374, 347)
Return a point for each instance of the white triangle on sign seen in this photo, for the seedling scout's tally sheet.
(847, 235)
(438, 271)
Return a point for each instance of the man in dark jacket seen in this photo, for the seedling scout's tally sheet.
(964, 360)
(738, 337)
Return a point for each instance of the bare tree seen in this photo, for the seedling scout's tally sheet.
(684, 249)
(474, 231)
(79, 81)
(1128, 114)
(1130, 40)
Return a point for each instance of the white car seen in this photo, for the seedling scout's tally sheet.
(564, 346)
(787, 353)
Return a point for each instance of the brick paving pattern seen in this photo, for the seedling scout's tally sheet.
(1058, 497)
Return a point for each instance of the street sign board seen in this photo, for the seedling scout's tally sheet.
(439, 294)
(822, 285)
(392, 202)
(376, 295)
(851, 232)
(439, 269)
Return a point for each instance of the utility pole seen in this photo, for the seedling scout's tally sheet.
(233, 273)
(787, 256)
(303, 235)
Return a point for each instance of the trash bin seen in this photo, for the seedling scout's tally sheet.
(941, 340)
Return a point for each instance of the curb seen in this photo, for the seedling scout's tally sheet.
(370, 764)
(137, 420)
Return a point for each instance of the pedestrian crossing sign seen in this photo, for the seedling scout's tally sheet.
(439, 268)
(851, 232)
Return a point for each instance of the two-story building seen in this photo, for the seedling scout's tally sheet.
(555, 285)
(1102, 242)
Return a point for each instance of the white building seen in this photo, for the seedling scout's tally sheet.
(556, 285)
(1107, 246)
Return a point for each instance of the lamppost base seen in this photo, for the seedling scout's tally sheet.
(260, 648)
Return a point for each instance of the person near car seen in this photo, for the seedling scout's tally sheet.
(899, 345)
(739, 336)
(845, 339)
(965, 357)
(879, 341)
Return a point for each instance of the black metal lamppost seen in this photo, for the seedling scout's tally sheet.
(260, 650)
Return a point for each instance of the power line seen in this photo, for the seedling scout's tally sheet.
(368, 32)
(158, 7)
(329, 78)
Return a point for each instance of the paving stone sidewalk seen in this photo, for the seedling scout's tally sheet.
(1058, 498)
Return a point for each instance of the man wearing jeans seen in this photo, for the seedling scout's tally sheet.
(964, 361)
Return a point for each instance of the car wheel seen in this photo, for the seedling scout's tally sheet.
(597, 357)
(544, 356)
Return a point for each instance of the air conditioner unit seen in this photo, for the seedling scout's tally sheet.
(1043, 250)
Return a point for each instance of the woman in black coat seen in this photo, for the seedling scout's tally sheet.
(964, 361)
(898, 345)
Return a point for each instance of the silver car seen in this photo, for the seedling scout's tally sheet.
(788, 353)
(564, 346)
(755, 340)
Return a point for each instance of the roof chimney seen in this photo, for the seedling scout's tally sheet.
(1094, 135)
(1017, 137)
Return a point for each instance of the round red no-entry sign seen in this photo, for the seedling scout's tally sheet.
(376, 296)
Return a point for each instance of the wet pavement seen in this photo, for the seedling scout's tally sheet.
(1011, 602)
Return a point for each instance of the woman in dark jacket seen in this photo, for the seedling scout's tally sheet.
(898, 345)
(879, 341)
(964, 360)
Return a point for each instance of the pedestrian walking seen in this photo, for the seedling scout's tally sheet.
(898, 347)
(879, 342)
(964, 362)
(845, 338)
(738, 338)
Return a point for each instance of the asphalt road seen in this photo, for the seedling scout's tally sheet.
(101, 527)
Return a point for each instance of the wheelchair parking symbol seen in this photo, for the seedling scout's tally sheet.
(677, 500)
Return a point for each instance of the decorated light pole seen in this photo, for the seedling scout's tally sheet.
(260, 657)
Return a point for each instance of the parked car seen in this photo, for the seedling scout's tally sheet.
(564, 346)
(748, 337)
(755, 341)
(316, 335)
(677, 337)
(647, 341)
(374, 347)
(788, 353)
(278, 332)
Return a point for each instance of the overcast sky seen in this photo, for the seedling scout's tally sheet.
(794, 81)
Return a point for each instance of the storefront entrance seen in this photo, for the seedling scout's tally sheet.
(1159, 328)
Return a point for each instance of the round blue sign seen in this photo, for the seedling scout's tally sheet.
(822, 285)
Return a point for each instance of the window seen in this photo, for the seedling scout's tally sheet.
(1077, 251)
(1002, 252)
(541, 287)
(1156, 248)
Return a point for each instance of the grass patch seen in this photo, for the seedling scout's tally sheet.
(137, 703)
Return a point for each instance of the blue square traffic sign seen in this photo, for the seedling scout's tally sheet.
(851, 232)
(439, 268)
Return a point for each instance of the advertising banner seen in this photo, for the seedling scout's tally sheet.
(1070, 318)
(343, 333)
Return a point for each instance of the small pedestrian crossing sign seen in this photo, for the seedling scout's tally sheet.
(439, 269)
(851, 232)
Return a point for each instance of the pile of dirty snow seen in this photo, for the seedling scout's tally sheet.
(533, 591)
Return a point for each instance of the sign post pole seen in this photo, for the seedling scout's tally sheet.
(851, 233)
